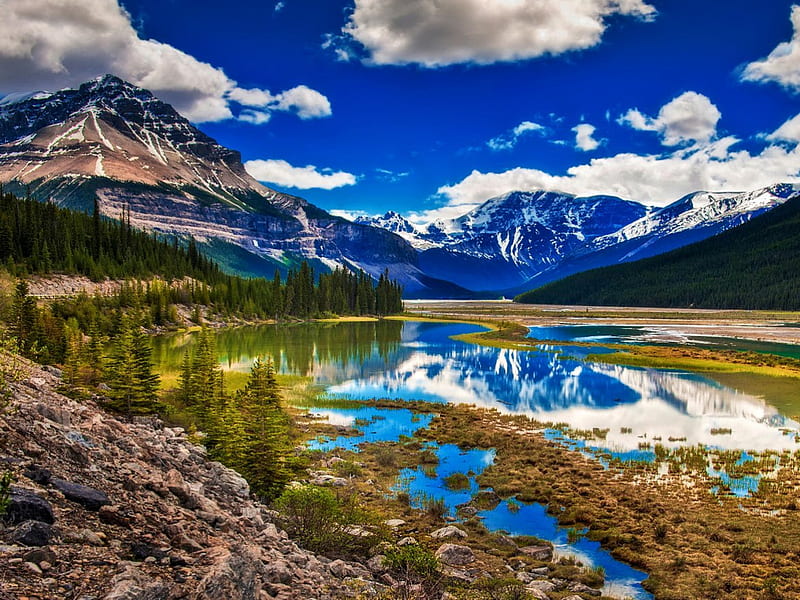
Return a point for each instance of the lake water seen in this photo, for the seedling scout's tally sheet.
(657, 335)
(420, 361)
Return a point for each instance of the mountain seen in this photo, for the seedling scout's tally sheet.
(118, 144)
(693, 218)
(511, 238)
(522, 240)
(755, 265)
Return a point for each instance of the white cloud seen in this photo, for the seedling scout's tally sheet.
(435, 33)
(279, 6)
(788, 132)
(256, 117)
(651, 179)
(307, 103)
(509, 140)
(282, 173)
(50, 44)
(691, 117)
(584, 139)
(783, 63)
(350, 215)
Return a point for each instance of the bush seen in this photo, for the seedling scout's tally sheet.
(501, 588)
(384, 455)
(347, 468)
(456, 482)
(416, 570)
(435, 507)
(5, 491)
(321, 521)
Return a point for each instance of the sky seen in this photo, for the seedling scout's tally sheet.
(430, 107)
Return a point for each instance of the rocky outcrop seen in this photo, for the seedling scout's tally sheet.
(134, 510)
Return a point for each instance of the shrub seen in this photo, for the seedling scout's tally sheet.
(5, 491)
(347, 468)
(501, 588)
(321, 521)
(456, 481)
(384, 455)
(435, 507)
(416, 570)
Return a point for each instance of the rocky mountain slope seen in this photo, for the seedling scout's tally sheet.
(523, 239)
(118, 143)
(106, 509)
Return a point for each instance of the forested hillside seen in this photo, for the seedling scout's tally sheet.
(38, 237)
(753, 266)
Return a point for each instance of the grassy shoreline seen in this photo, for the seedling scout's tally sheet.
(692, 543)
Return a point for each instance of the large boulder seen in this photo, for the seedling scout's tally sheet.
(451, 531)
(32, 533)
(87, 497)
(455, 554)
(543, 553)
(26, 505)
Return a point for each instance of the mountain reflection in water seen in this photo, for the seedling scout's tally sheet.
(419, 361)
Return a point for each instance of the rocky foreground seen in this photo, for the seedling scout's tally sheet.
(106, 509)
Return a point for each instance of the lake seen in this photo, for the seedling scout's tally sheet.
(409, 360)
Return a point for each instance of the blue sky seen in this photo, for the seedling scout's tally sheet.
(429, 107)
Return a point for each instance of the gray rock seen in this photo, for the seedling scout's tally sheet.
(543, 586)
(394, 523)
(26, 505)
(32, 533)
(455, 554)
(543, 553)
(278, 571)
(451, 531)
(87, 497)
(407, 541)
(537, 594)
(580, 588)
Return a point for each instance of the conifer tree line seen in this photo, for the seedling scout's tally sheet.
(37, 237)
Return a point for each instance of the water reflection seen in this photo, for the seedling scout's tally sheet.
(418, 360)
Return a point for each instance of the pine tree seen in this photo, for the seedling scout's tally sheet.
(267, 447)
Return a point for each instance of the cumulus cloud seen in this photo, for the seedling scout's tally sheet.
(788, 132)
(783, 63)
(508, 140)
(307, 103)
(584, 139)
(651, 179)
(46, 44)
(282, 173)
(434, 33)
(691, 117)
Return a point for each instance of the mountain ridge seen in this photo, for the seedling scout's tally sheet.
(117, 143)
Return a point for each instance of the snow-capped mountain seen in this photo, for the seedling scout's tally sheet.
(111, 141)
(522, 240)
(511, 238)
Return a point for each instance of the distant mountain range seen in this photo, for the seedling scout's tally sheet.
(115, 143)
(522, 240)
(753, 266)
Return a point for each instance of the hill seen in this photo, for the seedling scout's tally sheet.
(753, 266)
